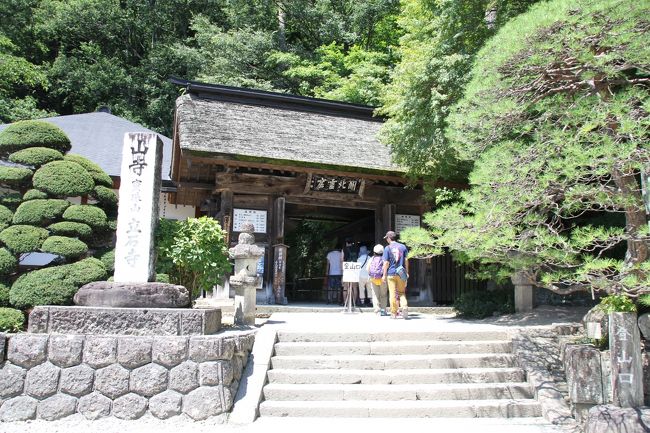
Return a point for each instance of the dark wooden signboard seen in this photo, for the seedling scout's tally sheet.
(340, 184)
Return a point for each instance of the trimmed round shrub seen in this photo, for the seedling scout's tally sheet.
(99, 176)
(63, 179)
(8, 262)
(33, 133)
(108, 259)
(64, 246)
(14, 176)
(87, 214)
(40, 212)
(35, 156)
(11, 320)
(55, 285)
(105, 196)
(34, 194)
(11, 200)
(6, 216)
(23, 239)
(4, 294)
(72, 229)
(112, 225)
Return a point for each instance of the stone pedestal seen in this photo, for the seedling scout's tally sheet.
(625, 355)
(524, 293)
(124, 321)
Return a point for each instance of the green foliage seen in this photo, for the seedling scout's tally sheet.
(69, 248)
(554, 154)
(63, 179)
(99, 176)
(6, 216)
(33, 133)
(617, 304)
(69, 228)
(483, 303)
(55, 285)
(11, 199)
(11, 320)
(40, 212)
(34, 194)
(14, 176)
(23, 239)
(4, 294)
(163, 278)
(193, 252)
(105, 196)
(107, 257)
(87, 214)
(35, 156)
(8, 263)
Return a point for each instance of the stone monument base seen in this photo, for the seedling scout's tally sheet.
(124, 321)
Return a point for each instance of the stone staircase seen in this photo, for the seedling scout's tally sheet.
(396, 374)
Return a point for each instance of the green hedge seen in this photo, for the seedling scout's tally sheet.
(23, 238)
(4, 294)
(55, 285)
(108, 259)
(100, 177)
(34, 194)
(8, 262)
(11, 320)
(64, 246)
(40, 212)
(35, 156)
(11, 200)
(478, 304)
(33, 133)
(87, 214)
(14, 176)
(105, 196)
(6, 216)
(63, 179)
(72, 229)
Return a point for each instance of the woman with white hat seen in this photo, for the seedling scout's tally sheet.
(379, 287)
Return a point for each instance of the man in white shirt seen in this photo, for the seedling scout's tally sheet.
(334, 272)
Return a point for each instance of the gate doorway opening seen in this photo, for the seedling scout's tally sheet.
(310, 233)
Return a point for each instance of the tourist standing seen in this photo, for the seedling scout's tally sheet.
(375, 269)
(395, 273)
(334, 272)
(365, 288)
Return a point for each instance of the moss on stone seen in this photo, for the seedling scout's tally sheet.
(34, 194)
(35, 156)
(69, 248)
(87, 214)
(11, 320)
(23, 238)
(99, 176)
(72, 229)
(14, 176)
(63, 179)
(33, 133)
(40, 212)
(8, 262)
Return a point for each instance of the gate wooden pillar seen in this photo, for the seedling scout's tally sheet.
(276, 239)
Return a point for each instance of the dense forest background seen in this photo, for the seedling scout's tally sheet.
(411, 58)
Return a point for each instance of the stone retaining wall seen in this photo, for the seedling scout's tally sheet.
(50, 376)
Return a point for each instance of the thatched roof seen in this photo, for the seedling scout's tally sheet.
(281, 129)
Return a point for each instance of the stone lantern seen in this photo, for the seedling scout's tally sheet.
(245, 281)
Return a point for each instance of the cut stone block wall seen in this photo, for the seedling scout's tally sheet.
(51, 376)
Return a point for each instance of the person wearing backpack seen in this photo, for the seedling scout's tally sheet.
(375, 268)
(396, 268)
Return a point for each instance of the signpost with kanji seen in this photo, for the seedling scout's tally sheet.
(625, 356)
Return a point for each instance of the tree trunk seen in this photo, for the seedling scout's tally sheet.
(282, 41)
(635, 218)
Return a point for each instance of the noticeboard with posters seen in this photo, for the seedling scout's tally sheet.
(403, 221)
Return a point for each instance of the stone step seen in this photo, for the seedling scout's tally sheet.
(392, 347)
(456, 391)
(403, 408)
(397, 376)
(309, 336)
(384, 362)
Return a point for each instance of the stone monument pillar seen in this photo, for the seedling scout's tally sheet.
(245, 280)
(524, 292)
(135, 260)
(625, 355)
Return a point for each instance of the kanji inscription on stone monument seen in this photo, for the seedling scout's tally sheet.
(625, 355)
(138, 208)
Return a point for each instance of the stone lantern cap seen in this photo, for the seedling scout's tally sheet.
(246, 248)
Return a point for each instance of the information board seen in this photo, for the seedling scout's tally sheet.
(241, 216)
(351, 272)
(403, 221)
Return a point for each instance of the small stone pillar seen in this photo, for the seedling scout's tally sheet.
(583, 368)
(524, 294)
(245, 280)
(625, 355)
